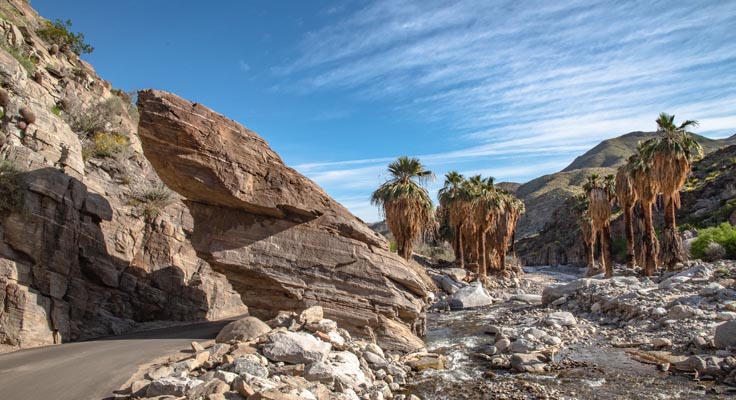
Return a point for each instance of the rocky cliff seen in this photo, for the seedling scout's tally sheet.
(91, 244)
(282, 242)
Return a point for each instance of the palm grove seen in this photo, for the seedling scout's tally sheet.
(479, 219)
(474, 215)
(660, 167)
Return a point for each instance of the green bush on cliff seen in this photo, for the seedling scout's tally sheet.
(59, 33)
(11, 190)
(151, 201)
(723, 234)
(26, 62)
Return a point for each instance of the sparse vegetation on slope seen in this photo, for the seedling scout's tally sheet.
(152, 201)
(59, 33)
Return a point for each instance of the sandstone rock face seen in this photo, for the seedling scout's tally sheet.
(80, 259)
(242, 330)
(282, 242)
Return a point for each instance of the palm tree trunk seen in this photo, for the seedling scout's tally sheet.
(404, 248)
(459, 253)
(606, 251)
(482, 261)
(591, 254)
(673, 250)
(513, 243)
(630, 247)
(503, 258)
(650, 241)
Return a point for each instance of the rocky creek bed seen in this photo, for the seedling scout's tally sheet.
(545, 335)
(550, 335)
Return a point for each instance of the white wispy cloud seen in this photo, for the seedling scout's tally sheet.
(513, 79)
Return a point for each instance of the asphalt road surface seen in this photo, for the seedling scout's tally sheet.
(94, 369)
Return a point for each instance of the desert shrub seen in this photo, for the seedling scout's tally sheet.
(26, 62)
(11, 193)
(129, 98)
(96, 117)
(108, 144)
(723, 235)
(153, 200)
(714, 252)
(59, 33)
(56, 110)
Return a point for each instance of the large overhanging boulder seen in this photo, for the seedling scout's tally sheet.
(283, 243)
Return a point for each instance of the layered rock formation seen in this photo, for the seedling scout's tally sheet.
(82, 257)
(282, 242)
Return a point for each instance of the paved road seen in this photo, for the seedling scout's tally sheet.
(91, 370)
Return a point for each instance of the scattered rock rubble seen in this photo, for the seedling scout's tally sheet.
(682, 322)
(293, 356)
(687, 316)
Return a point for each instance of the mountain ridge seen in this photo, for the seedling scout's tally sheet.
(543, 195)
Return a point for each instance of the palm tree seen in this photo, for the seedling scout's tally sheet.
(626, 196)
(580, 207)
(485, 202)
(452, 202)
(466, 212)
(406, 204)
(511, 209)
(599, 211)
(671, 155)
(646, 187)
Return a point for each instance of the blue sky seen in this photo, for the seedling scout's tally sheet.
(511, 89)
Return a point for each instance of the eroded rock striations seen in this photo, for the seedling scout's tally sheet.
(282, 242)
(78, 257)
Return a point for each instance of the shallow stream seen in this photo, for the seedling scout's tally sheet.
(593, 371)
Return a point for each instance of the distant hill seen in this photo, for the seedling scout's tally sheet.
(708, 198)
(542, 196)
(614, 152)
(545, 194)
(510, 187)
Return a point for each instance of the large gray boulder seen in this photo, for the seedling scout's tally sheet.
(449, 285)
(471, 296)
(557, 290)
(242, 330)
(532, 362)
(295, 348)
(561, 318)
(171, 386)
(242, 365)
(725, 335)
(342, 366)
(457, 274)
(527, 298)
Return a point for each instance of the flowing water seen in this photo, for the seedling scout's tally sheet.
(593, 371)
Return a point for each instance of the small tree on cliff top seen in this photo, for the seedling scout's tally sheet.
(59, 33)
